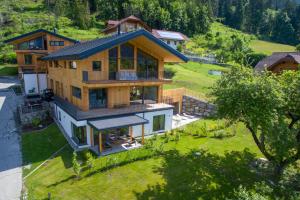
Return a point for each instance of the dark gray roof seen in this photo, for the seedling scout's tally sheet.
(117, 122)
(275, 58)
(40, 31)
(86, 49)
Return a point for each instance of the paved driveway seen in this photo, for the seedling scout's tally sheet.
(10, 153)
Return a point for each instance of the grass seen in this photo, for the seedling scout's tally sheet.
(8, 70)
(268, 48)
(194, 76)
(40, 145)
(176, 174)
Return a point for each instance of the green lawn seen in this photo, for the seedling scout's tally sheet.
(8, 70)
(177, 173)
(195, 77)
(38, 146)
(268, 48)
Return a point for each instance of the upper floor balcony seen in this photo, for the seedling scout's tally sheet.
(126, 77)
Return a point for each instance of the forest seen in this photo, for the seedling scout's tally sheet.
(276, 20)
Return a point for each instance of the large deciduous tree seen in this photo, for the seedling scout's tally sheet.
(269, 105)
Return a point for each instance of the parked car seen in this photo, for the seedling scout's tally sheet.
(47, 95)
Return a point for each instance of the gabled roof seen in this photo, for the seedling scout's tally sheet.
(115, 23)
(83, 50)
(39, 31)
(275, 58)
(163, 34)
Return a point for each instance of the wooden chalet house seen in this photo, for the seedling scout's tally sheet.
(30, 48)
(279, 61)
(109, 90)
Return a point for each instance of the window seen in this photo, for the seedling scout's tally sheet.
(113, 63)
(76, 92)
(59, 116)
(79, 134)
(50, 64)
(28, 59)
(147, 66)
(72, 64)
(65, 64)
(97, 98)
(96, 65)
(35, 44)
(57, 43)
(168, 41)
(143, 95)
(175, 43)
(159, 123)
(56, 63)
(127, 56)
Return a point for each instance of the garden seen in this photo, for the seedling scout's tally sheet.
(206, 159)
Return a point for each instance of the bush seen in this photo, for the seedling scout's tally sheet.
(253, 58)
(169, 73)
(36, 122)
(204, 130)
(298, 48)
(220, 134)
(90, 160)
(76, 165)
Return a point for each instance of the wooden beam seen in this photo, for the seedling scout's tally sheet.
(91, 136)
(100, 142)
(131, 133)
(143, 134)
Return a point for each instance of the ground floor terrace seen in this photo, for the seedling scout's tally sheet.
(107, 131)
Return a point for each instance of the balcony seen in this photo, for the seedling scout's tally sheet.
(125, 77)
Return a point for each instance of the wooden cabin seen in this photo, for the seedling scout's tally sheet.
(279, 62)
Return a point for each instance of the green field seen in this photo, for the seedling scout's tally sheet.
(194, 76)
(8, 70)
(175, 173)
(268, 48)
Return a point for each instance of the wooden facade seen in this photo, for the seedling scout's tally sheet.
(285, 64)
(48, 46)
(118, 91)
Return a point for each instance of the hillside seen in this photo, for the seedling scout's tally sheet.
(220, 34)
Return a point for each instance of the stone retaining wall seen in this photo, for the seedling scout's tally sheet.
(193, 106)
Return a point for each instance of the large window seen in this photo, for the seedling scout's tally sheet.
(28, 59)
(113, 63)
(147, 66)
(127, 56)
(76, 92)
(143, 95)
(32, 44)
(159, 123)
(79, 134)
(97, 98)
(96, 65)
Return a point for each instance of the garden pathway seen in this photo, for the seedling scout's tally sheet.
(10, 153)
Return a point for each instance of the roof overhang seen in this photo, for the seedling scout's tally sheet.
(141, 35)
(38, 32)
(117, 122)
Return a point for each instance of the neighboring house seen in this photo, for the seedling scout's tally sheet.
(111, 89)
(125, 25)
(173, 39)
(30, 47)
(133, 23)
(280, 61)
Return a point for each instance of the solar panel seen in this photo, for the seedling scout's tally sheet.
(170, 35)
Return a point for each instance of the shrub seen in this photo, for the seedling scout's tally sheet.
(203, 130)
(36, 122)
(169, 73)
(76, 165)
(298, 48)
(220, 134)
(90, 160)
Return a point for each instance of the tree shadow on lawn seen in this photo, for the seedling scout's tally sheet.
(204, 175)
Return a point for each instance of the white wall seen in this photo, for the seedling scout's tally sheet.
(137, 130)
(66, 121)
(42, 82)
(30, 82)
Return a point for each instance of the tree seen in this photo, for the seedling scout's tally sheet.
(90, 160)
(76, 165)
(298, 48)
(283, 30)
(269, 106)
